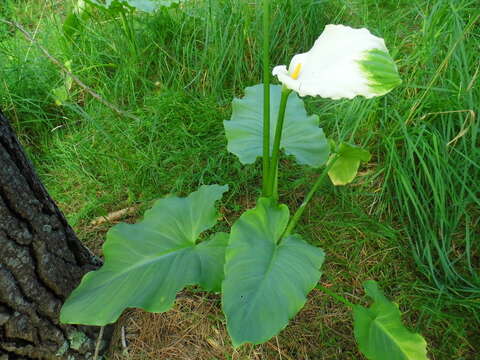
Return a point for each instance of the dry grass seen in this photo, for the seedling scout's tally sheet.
(195, 330)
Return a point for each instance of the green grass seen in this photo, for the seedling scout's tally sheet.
(411, 220)
(432, 156)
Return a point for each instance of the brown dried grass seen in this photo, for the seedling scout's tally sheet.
(195, 330)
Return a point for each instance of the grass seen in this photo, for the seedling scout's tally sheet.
(410, 221)
(436, 140)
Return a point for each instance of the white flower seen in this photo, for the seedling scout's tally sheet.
(343, 63)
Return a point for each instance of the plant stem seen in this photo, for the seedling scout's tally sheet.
(266, 96)
(335, 296)
(276, 143)
(294, 220)
(275, 186)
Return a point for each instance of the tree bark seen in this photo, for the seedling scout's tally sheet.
(41, 262)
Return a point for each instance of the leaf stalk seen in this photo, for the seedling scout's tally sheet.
(272, 191)
(298, 214)
(266, 97)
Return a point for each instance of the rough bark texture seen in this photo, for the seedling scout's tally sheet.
(41, 261)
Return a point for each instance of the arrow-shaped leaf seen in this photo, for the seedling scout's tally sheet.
(380, 333)
(147, 263)
(266, 281)
(301, 137)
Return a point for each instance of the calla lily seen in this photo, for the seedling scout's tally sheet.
(343, 63)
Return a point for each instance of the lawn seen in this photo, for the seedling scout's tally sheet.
(410, 220)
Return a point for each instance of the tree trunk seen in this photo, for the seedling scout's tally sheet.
(41, 262)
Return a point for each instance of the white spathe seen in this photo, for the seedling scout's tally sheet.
(331, 68)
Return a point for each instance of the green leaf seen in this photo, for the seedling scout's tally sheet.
(266, 280)
(61, 94)
(142, 5)
(149, 6)
(346, 166)
(380, 70)
(301, 138)
(380, 333)
(147, 263)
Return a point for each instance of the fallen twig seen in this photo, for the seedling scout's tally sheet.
(124, 342)
(99, 340)
(113, 216)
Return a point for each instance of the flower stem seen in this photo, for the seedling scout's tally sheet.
(276, 143)
(294, 220)
(335, 296)
(266, 97)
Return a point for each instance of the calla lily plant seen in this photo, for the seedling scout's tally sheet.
(263, 267)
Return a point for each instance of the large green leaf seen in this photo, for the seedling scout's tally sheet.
(301, 138)
(380, 333)
(346, 166)
(147, 263)
(266, 280)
